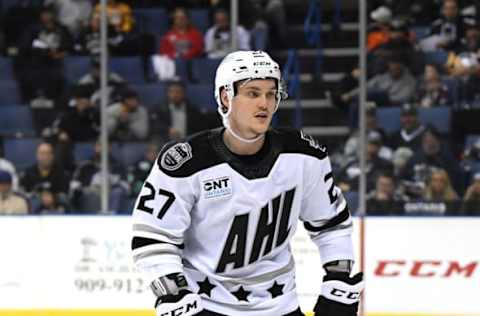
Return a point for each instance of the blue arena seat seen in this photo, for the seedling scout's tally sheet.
(420, 32)
(151, 94)
(438, 57)
(76, 67)
(16, 120)
(181, 69)
(201, 95)
(22, 151)
(127, 153)
(203, 69)
(6, 68)
(153, 20)
(389, 118)
(9, 92)
(130, 68)
(200, 18)
(83, 151)
(439, 117)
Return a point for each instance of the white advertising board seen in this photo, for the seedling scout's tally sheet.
(85, 262)
(413, 265)
(423, 265)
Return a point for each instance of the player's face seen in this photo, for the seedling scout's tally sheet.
(253, 107)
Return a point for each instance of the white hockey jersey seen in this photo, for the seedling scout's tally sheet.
(226, 221)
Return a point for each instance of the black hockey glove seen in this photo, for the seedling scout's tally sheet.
(340, 294)
(174, 297)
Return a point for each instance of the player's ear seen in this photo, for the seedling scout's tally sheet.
(224, 97)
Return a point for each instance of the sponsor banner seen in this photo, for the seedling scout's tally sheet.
(414, 266)
(65, 262)
(69, 262)
(423, 265)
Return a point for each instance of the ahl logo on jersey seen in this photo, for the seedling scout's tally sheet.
(218, 187)
(176, 156)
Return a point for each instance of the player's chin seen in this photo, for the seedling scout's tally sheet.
(261, 127)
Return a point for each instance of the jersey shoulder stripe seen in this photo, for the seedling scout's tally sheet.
(206, 149)
(186, 157)
(297, 142)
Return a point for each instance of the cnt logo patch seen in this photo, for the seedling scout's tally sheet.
(218, 187)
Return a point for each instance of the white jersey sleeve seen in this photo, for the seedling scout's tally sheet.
(325, 211)
(162, 214)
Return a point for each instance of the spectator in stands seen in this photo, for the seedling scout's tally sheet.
(432, 91)
(140, 170)
(19, 17)
(45, 174)
(379, 30)
(88, 41)
(115, 83)
(471, 41)
(183, 40)
(397, 84)
(394, 87)
(411, 130)
(49, 202)
(386, 199)
(399, 46)
(42, 57)
(119, 15)
(431, 156)
(465, 65)
(74, 14)
(6, 165)
(273, 11)
(123, 40)
(471, 199)
(349, 175)
(177, 118)
(127, 120)
(11, 202)
(85, 187)
(470, 163)
(439, 188)
(253, 19)
(351, 145)
(450, 26)
(400, 158)
(80, 123)
(217, 38)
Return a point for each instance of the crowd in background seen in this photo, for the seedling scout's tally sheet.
(412, 165)
(421, 55)
(38, 36)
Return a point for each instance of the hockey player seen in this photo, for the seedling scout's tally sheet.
(214, 219)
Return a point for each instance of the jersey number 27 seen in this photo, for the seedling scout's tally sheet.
(151, 196)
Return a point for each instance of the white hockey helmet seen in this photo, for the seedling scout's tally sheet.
(245, 65)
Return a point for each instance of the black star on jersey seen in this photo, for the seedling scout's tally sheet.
(205, 287)
(276, 289)
(241, 294)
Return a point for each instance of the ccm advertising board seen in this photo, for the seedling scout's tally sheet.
(67, 263)
(423, 265)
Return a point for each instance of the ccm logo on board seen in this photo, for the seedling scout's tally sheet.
(426, 268)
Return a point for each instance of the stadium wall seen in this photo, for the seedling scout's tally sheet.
(81, 265)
